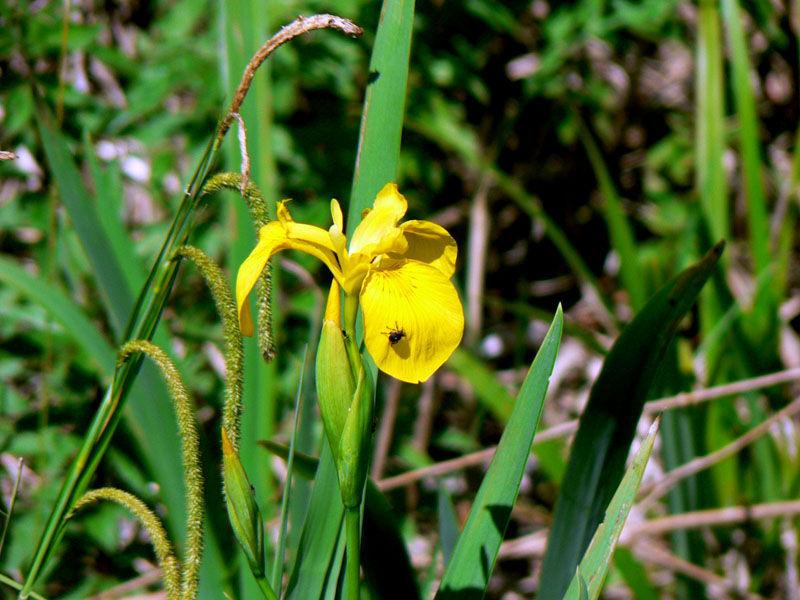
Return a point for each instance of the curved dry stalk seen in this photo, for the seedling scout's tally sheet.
(170, 568)
(297, 27)
(192, 470)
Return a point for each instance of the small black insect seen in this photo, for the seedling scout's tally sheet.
(396, 334)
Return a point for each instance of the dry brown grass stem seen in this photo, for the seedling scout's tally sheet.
(144, 580)
(729, 515)
(657, 489)
(297, 27)
(569, 427)
(656, 555)
(243, 152)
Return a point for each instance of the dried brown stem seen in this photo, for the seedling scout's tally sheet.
(297, 27)
(569, 427)
(654, 554)
(657, 489)
(711, 518)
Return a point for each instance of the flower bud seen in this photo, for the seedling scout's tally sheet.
(243, 512)
(336, 383)
(354, 444)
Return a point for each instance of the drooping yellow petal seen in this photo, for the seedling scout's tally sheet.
(430, 243)
(378, 232)
(413, 320)
(273, 238)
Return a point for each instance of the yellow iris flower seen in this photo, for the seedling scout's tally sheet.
(413, 319)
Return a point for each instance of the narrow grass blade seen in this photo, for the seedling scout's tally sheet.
(467, 573)
(111, 280)
(321, 531)
(277, 567)
(384, 108)
(620, 231)
(490, 392)
(634, 575)
(141, 325)
(745, 103)
(596, 562)
(710, 133)
(387, 567)
(608, 423)
(65, 312)
(159, 445)
(711, 183)
(11, 504)
(448, 523)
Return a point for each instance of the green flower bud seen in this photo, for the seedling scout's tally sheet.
(354, 444)
(243, 512)
(336, 382)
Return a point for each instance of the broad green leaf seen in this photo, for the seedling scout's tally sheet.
(468, 570)
(384, 108)
(596, 562)
(608, 423)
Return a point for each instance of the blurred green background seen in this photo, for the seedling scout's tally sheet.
(579, 152)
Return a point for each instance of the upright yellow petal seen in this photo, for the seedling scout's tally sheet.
(413, 320)
(430, 243)
(378, 232)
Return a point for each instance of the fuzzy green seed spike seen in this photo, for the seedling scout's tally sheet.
(258, 212)
(170, 568)
(192, 470)
(234, 354)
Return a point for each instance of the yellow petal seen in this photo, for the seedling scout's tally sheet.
(270, 238)
(273, 238)
(378, 232)
(430, 243)
(413, 319)
(336, 232)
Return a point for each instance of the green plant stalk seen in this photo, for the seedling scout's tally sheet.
(141, 325)
(709, 143)
(748, 137)
(263, 585)
(711, 183)
(18, 586)
(277, 567)
(353, 528)
(619, 228)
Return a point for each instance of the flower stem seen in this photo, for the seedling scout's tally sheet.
(266, 589)
(353, 525)
(350, 315)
